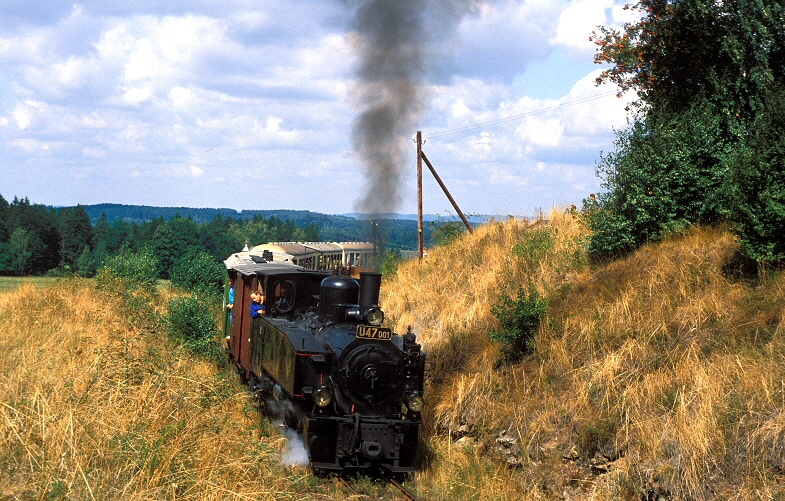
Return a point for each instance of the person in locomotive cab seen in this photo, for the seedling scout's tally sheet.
(230, 299)
(257, 306)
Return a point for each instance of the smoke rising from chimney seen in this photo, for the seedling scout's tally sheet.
(391, 38)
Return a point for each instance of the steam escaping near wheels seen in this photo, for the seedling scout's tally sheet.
(294, 453)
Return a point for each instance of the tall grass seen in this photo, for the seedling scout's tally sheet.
(661, 376)
(658, 376)
(93, 409)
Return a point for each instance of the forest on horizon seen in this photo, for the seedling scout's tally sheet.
(36, 239)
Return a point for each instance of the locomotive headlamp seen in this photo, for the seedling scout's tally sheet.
(415, 403)
(374, 316)
(322, 397)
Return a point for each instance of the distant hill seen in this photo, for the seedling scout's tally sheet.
(144, 213)
(397, 230)
(413, 217)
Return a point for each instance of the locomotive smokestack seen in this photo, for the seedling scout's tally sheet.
(370, 284)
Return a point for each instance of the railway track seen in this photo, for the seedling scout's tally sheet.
(391, 481)
(406, 492)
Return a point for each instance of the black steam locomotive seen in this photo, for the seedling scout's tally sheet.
(319, 360)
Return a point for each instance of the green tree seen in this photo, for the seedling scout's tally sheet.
(41, 225)
(173, 239)
(4, 230)
(217, 240)
(728, 52)
(198, 272)
(76, 233)
(758, 188)
(85, 265)
(23, 245)
(701, 70)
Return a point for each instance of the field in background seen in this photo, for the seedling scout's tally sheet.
(660, 376)
(8, 284)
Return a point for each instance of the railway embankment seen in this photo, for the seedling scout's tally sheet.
(657, 376)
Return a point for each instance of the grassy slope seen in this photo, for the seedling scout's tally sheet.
(658, 375)
(91, 408)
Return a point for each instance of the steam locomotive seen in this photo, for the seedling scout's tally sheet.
(319, 360)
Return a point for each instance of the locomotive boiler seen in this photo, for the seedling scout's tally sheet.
(320, 360)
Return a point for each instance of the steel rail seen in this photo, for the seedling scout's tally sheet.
(406, 492)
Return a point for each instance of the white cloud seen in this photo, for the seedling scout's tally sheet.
(577, 21)
(503, 38)
(136, 95)
(180, 96)
(206, 91)
(22, 116)
(29, 145)
(539, 132)
(273, 124)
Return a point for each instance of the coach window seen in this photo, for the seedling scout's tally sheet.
(284, 296)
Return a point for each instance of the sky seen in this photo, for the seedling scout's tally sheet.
(266, 105)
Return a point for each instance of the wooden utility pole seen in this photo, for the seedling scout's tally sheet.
(420, 157)
(419, 195)
(446, 192)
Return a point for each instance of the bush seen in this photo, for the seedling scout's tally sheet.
(391, 259)
(133, 276)
(190, 321)
(534, 245)
(671, 169)
(130, 271)
(758, 189)
(446, 229)
(199, 273)
(519, 320)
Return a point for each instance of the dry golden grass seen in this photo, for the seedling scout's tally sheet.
(657, 376)
(93, 410)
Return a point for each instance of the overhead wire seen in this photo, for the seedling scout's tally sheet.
(520, 116)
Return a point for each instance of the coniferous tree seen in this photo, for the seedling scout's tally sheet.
(76, 233)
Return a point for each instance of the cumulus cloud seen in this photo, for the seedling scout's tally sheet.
(119, 96)
(577, 21)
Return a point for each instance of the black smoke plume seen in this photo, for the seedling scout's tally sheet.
(392, 39)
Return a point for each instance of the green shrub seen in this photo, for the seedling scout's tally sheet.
(191, 321)
(391, 259)
(198, 272)
(519, 320)
(132, 276)
(130, 270)
(612, 235)
(446, 229)
(534, 245)
(663, 171)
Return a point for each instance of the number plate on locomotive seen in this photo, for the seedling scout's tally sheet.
(370, 332)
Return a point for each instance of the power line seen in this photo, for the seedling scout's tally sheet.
(522, 115)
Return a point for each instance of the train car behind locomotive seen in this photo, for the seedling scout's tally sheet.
(320, 360)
